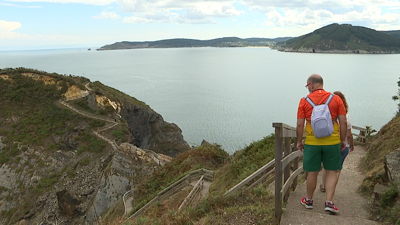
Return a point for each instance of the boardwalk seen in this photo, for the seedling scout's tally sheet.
(351, 205)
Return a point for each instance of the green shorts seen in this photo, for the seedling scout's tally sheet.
(328, 155)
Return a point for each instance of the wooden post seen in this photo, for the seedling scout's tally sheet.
(295, 165)
(278, 171)
(287, 152)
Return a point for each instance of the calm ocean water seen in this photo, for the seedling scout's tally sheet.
(229, 96)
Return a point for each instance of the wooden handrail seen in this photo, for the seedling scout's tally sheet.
(192, 193)
(251, 177)
(165, 193)
(361, 135)
(285, 133)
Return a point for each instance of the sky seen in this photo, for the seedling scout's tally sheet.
(52, 24)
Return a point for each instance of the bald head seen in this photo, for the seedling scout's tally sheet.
(316, 81)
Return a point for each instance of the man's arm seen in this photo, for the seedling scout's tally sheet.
(299, 133)
(350, 140)
(343, 130)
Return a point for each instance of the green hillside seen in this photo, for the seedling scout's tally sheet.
(63, 137)
(395, 33)
(345, 38)
(185, 43)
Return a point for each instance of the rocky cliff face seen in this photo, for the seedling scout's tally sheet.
(150, 131)
(60, 178)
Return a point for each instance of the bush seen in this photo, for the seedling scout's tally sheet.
(397, 97)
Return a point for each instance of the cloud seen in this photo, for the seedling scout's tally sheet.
(190, 11)
(107, 15)
(263, 5)
(148, 18)
(18, 6)
(369, 13)
(86, 2)
(6, 26)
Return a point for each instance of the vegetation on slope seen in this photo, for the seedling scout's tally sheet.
(33, 127)
(345, 37)
(255, 205)
(185, 43)
(385, 141)
(395, 33)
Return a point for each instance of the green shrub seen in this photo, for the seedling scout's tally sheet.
(85, 161)
(388, 198)
(71, 173)
(397, 97)
(96, 123)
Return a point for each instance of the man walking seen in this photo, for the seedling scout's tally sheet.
(325, 150)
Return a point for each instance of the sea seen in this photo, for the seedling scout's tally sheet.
(228, 96)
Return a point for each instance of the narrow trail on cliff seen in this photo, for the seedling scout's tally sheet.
(113, 123)
(128, 196)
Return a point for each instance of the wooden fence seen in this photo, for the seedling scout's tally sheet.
(185, 181)
(361, 135)
(284, 170)
(193, 193)
(287, 167)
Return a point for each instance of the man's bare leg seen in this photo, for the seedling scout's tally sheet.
(330, 184)
(323, 178)
(311, 183)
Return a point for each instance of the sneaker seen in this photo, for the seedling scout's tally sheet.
(307, 203)
(329, 206)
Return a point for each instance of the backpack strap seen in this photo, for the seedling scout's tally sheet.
(327, 103)
(329, 99)
(313, 104)
(309, 101)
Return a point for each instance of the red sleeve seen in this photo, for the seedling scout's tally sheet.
(301, 114)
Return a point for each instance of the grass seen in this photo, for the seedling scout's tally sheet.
(31, 118)
(244, 163)
(385, 141)
(208, 157)
(252, 205)
(386, 207)
(255, 205)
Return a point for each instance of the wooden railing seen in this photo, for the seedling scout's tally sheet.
(287, 167)
(193, 193)
(255, 178)
(176, 187)
(284, 169)
(361, 135)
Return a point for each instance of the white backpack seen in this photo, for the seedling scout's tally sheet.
(321, 119)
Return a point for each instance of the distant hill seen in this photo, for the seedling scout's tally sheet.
(395, 33)
(185, 43)
(344, 38)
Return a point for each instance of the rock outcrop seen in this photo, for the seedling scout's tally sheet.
(392, 167)
(74, 175)
(150, 131)
(75, 92)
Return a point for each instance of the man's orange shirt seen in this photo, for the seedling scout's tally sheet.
(336, 107)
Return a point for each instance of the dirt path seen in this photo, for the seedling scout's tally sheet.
(351, 205)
